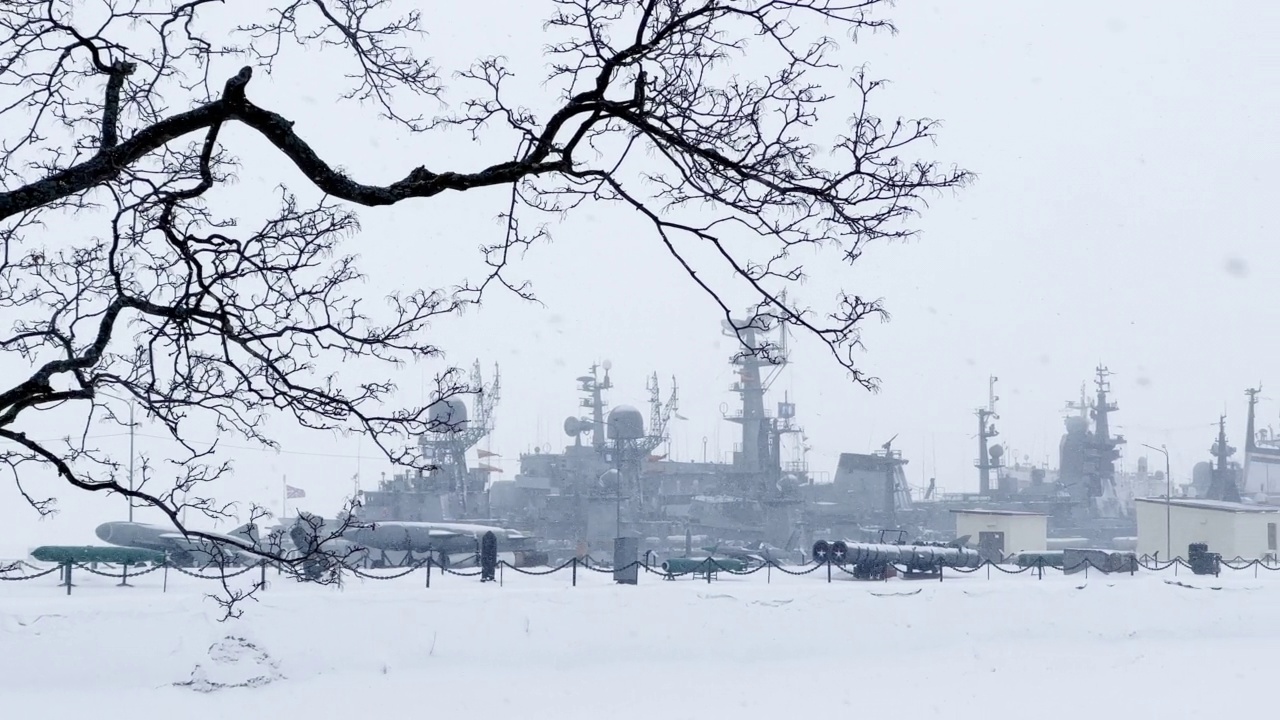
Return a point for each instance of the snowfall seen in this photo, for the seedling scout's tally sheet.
(1150, 645)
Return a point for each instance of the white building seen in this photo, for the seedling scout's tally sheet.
(1230, 529)
(1003, 531)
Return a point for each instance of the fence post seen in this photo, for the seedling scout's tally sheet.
(575, 571)
(68, 576)
(262, 567)
(768, 573)
(428, 572)
(165, 587)
(828, 569)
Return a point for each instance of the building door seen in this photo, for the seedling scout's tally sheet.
(991, 544)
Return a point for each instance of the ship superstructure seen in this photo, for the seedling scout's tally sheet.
(450, 489)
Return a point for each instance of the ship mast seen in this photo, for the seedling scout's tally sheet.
(1223, 485)
(751, 456)
(594, 389)
(759, 455)
(986, 463)
(1102, 449)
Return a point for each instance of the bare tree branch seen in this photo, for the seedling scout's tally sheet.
(712, 120)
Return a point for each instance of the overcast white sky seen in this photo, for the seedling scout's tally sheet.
(1125, 155)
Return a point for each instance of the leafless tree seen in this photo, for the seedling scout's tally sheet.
(707, 118)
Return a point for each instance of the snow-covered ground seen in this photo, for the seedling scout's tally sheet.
(740, 647)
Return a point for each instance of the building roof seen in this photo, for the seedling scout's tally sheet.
(1219, 505)
(1013, 513)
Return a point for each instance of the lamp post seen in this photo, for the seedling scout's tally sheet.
(1168, 493)
(131, 455)
(132, 430)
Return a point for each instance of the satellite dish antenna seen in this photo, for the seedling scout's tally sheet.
(573, 426)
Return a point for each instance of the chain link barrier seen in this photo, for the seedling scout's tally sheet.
(708, 568)
(126, 574)
(407, 571)
(219, 576)
(4, 576)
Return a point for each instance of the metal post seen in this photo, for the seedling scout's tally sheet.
(617, 494)
(1168, 504)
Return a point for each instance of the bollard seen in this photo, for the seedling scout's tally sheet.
(488, 556)
(263, 568)
(575, 572)
(626, 563)
(67, 574)
(828, 569)
(165, 587)
(428, 572)
(124, 576)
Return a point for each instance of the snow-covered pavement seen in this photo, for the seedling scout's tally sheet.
(740, 647)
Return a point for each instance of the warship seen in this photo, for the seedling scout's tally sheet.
(614, 485)
(1086, 499)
